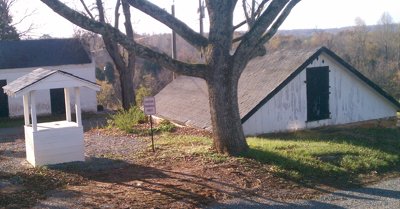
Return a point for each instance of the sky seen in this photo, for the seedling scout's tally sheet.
(308, 14)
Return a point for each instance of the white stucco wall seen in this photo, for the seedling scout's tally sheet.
(351, 100)
(43, 106)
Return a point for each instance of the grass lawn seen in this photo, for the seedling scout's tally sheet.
(330, 156)
(337, 157)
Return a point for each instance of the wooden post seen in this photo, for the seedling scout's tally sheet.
(25, 100)
(173, 41)
(151, 130)
(67, 97)
(78, 106)
(33, 111)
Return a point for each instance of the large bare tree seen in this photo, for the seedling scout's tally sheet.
(124, 61)
(223, 63)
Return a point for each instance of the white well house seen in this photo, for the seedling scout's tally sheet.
(58, 141)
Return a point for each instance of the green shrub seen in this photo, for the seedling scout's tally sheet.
(165, 126)
(125, 120)
(141, 92)
(107, 96)
(100, 74)
(109, 72)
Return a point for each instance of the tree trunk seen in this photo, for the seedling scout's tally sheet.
(228, 134)
(127, 87)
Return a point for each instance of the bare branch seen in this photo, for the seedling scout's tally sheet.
(86, 9)
(116, 14)
(26, 15)
(237, 39)
(100, 7)
(255, 15)
(196, 70)
(239, 25)
(260, 8)
(274, 28)
(252, 13)
(167, 19)
(253, 7)
(251, 38)
(246, 14)
(128, 23)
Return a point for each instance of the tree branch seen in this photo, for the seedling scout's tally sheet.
(128, 23)
(196, 70)
(167, 19)
(239, 25)
(256, 14)
(251, 38)
(86, 9)
(264, 22)
(116, 14)
(246, 14)
(274, 28)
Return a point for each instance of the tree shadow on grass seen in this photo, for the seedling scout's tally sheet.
(312, 176)
(384, 139)
(307, 175)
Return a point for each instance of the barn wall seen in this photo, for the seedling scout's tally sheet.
(88, 97)
(287, 110)
(351, 100)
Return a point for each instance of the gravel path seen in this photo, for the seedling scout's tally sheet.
(383, 195)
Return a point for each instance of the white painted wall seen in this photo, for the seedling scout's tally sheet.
(351, 100)
(53, 145)
(43, 106)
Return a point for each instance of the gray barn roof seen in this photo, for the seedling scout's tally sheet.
(42, 52)
(185, 100)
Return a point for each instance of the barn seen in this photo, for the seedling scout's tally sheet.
(18, 58)
(286, 90)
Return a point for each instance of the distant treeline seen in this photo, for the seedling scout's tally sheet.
(373, 50)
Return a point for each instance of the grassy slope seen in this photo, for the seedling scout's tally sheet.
(329, 154)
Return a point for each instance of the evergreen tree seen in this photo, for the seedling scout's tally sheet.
(7, 30)
(109, 72)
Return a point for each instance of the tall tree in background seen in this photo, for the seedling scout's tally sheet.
(358, 43)
(224, 62)
(124, 60)
(7, 30)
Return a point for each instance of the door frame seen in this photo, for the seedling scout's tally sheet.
(4, 105)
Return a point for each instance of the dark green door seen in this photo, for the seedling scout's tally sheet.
(57, 101)
(317, 93)
(4, 112)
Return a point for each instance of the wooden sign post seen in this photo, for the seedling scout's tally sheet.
(149, 104)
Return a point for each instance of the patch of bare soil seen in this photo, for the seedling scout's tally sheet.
(115, 176)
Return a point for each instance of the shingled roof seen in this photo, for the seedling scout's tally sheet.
(42, 52)
(40, 74)
(185, 100)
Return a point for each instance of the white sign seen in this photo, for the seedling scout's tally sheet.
(149, 104)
